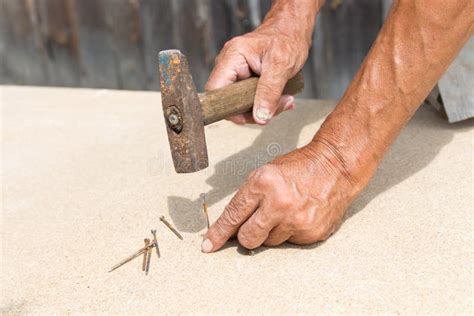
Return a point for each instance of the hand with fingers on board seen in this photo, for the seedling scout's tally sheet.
(286, 201)
(275, 51)
(301, 197)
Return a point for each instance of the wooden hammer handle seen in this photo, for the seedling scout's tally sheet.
(238, 98)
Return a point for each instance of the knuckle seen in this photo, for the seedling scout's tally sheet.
(252, 175)
(326, 231)
(324, 235)
(317, 235)
(276, 240)
(235, 42)
(230, 47)
(233, 218)
(266, 88)
(220, 228)
(245, 240)
(284, 202)
(261, 223)
(299, 223)
(303, 222)
(264, 176)
(279, 58)
(282, 56)
(309, 232)
(231, 213)
(309, 238)
(242, 67)
(218, 58)
(229, 43)
(272, 243)
(278, 236)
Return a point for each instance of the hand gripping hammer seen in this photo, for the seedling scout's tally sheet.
(186, 112)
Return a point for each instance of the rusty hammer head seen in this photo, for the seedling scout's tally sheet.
(186, 112)
(183, 113)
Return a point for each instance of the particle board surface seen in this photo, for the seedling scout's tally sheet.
(87, 173)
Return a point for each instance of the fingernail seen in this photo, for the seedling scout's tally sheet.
(262, 114)
(287, 100)
(206, 246)
(290, 106)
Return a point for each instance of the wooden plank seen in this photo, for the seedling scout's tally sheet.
(99, 65)
(114, 44)
(157, 25)
(344, 35)
(183, 25)
(386, 5)
(265, 6)
(255, 13)
(192, 22)
(21, 51)
(123, 22)
(5, 76)
(241, 17)
(58, 27)
(308, 75)
(221, 14)
(232, 18)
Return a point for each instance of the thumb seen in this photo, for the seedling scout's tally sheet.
(269, 89)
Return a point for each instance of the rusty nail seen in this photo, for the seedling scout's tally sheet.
(128, 259)
(148, 259)
(163, 219)
(145, 254)
(204, 208)
(155, 242)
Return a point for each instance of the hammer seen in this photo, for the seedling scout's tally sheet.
(186, 112)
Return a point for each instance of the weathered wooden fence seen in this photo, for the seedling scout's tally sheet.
(114, 43)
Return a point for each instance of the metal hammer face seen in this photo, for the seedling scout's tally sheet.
(183, 113)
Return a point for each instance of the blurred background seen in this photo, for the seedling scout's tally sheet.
(115, 43)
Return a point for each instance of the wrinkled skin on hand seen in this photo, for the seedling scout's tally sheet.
(299, 197)
(275, 51)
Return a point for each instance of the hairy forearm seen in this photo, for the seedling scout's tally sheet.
(415, 46)
(296, 17)
(301, 197)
